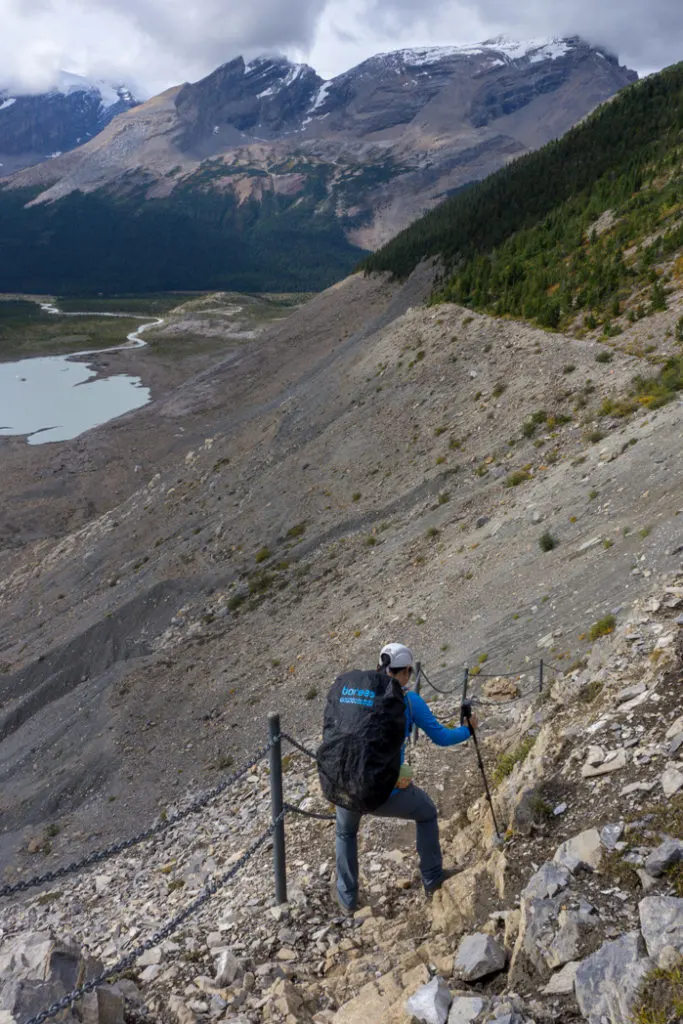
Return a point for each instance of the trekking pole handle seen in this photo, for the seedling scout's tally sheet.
(466, 716)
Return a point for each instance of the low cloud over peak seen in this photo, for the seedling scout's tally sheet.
(152, 44)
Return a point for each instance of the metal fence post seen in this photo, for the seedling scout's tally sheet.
(276, 801)
(540, 676)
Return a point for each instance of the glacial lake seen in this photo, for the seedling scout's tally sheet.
(56, 398)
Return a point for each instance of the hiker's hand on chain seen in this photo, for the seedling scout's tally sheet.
(473, 720)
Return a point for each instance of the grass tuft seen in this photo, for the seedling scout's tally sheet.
(546, 541)
(660, 999)
(506, 762)
(602, 627)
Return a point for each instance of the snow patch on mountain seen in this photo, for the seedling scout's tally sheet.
(319, 97)
(536, 49)
(508, 49)
(7, 103)
(69, 83)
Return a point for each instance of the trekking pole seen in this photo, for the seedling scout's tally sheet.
(418, 687)
(465, 717)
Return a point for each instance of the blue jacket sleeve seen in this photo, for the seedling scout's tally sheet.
(425, 720)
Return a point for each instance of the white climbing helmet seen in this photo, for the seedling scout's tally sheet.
(400, 655)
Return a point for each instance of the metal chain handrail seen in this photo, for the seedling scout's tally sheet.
(309, 814)
(299, 746)
(154, 830)
(169, 928)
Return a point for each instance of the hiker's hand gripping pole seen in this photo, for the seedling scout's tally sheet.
(468, 718)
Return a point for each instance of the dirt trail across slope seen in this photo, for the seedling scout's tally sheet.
(361, 471)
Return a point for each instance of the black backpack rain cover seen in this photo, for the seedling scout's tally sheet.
(364, 727)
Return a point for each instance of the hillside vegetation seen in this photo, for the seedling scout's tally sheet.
(200, 240)
(572, 236)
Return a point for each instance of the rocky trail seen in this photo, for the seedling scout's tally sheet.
(367, 469)
(562, 921)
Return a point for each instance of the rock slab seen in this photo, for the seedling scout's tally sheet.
(664, 857)
(661, 922)
(477, 956)
(465, 1009)
(581, 852)
(431, 1002)
(608, 981)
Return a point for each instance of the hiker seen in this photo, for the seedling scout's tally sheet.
(368, 718)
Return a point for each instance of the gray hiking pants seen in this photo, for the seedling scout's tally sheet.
(411, 804)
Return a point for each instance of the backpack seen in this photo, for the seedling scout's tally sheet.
(364, 729)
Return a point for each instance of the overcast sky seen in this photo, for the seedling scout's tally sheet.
(152, 44)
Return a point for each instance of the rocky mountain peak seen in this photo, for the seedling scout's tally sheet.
(264, 97)
(36, 127)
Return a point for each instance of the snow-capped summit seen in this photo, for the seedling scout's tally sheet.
(35, 127)
(69, 83)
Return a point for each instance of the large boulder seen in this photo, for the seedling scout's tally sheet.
(551, 934)
(431, 1002)
(454, 906)
(664, 857)
(465, 1009)
(607, 982)
(478, 955)
(548, 881)
(37, 970)
(581, 852)
(661, 922)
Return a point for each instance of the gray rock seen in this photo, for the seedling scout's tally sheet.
(566, 943)
(477, 956)
(672, 780)
(465, 1009)
(664, 857)
(675, 728)
(548, 880)
(637, 787)
(150, 957)
(661, 922)
(551, 935)
(676, 744)
(36, 971)
(608, 981)
(431, 1002)
(583, 851)
(562, 982)
(611, 834)
(482, 521)
(630, 692)
(610, 764)
(103, 1006)
(227, 968)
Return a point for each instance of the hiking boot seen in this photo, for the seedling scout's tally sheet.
(347, 910)
(435, 886)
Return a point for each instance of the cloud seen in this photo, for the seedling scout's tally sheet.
(152, 44)
(149, 44)
(644, 33)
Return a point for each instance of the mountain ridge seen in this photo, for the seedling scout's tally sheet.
(267, 152)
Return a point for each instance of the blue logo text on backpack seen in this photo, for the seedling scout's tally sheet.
(363, 733)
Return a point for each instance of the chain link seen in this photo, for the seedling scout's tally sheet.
(169, 928)
(161, 826)
(299, 746)
(309, 814)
